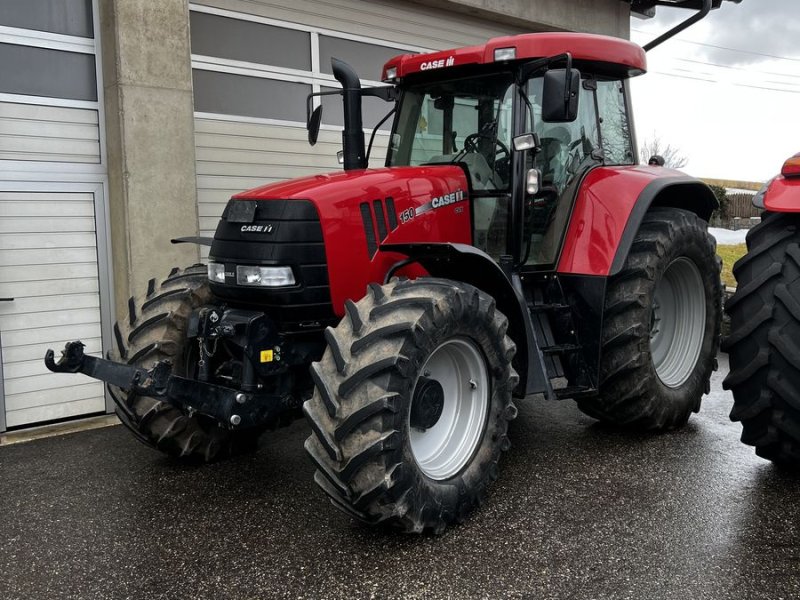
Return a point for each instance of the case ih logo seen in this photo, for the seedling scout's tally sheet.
(257, 228)
(437, 202)
(438, 64)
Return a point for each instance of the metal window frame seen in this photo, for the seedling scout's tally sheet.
(315, 77)
(45, 39)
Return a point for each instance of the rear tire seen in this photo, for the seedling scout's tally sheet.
(764, 343)
(156, 330)
(412, 404)
(661, 325)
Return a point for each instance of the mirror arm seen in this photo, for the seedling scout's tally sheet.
(386, 93)
(568, 83)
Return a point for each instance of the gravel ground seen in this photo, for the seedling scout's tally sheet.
(580, 512)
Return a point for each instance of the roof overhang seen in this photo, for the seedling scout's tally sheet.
(614, 55)
(647, 8)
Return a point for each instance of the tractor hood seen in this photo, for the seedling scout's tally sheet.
(361, 210)
(415, 183)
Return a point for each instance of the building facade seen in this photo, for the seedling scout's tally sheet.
(126, 123)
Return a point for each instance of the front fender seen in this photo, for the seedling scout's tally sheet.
(780, 195)
(462, 262)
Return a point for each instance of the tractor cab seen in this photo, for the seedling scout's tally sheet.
(525, 117)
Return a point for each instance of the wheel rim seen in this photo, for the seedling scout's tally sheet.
(443, 449)
(678, 322)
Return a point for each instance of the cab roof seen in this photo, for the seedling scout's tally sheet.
(608, 55)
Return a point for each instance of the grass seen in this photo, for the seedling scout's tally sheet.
(730, 254)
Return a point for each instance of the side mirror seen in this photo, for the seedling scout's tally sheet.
(313, 125)
(560, 95)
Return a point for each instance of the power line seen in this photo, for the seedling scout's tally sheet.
(758, 87)
(725, 48)
(711, 64)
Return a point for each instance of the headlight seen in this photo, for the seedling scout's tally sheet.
(264, 276)
(216, 272)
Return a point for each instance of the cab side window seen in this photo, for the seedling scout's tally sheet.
(615, 129)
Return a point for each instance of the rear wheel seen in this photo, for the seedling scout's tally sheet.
(661, 325)
(412, 404)
(156, 330)
(764, 343)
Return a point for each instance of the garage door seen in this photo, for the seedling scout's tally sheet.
(48, 266)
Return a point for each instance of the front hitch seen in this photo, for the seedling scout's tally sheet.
(232, 409)
(127, 377)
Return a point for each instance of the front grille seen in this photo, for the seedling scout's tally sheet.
(279, 233)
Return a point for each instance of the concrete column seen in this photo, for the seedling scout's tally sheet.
(150, 139)
(609, 17)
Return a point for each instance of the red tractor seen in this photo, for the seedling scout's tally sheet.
(510, 246)
(764, 343)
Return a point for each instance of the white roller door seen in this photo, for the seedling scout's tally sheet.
(48, 265)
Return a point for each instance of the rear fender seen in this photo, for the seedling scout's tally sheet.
(461, 262)
(610, 207)
(687, 194)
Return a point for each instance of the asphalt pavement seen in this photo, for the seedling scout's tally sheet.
(580, 512)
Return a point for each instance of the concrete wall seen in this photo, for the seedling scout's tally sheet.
(150, 139)
(609, 17)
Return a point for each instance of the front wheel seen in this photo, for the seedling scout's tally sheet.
(661, 325)
(412, 404)
(155, 330)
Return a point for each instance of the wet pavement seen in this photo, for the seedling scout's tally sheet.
(580, 511)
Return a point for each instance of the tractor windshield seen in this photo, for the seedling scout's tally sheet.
(466, 120)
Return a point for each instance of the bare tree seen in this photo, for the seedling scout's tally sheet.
(673, 157)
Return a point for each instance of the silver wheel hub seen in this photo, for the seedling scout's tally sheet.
(678, 322)
(444, 447)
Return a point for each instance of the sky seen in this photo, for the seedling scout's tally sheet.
(726, 91)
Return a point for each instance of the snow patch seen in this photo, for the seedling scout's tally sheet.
(728, 237)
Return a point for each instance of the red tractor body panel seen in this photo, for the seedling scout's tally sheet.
(783, 195)
(602, 210)
(429, 205)
(616, 54)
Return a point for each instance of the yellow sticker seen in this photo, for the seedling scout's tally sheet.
(266, 356)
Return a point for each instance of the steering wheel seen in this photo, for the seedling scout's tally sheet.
(471, 145)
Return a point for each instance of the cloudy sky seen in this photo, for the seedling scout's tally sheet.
(726, 91)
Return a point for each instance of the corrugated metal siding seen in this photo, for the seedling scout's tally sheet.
(398, 22)
(48, 133)
(48, 263)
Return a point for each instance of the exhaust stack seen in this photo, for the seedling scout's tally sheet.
(353, 134)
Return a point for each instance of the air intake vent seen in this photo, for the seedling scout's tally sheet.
(369, 229)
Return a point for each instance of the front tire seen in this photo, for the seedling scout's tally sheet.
(412, 404)
(155, 330)
(661, 325)
(764, 343)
